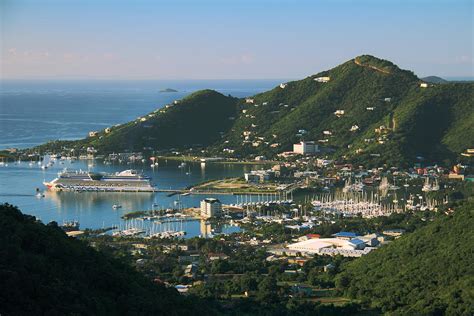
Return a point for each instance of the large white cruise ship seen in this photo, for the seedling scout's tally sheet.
(125, 181)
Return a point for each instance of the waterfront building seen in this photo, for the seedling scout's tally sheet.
(261, 176)
(211, 207)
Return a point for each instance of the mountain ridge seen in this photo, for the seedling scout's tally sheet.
(389, 115)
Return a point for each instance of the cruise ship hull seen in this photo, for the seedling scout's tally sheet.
(126, 181)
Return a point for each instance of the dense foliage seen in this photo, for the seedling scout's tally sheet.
(427, 272)
(44, 272)
(435, 122)
(388, 118)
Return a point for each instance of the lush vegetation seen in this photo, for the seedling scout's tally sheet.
(44, 272)
(435, 122)
(427, 272)
(388, 118)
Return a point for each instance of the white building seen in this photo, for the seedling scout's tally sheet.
(423, 85)
(259, 176)
(339, 113)
(322, 79)
(283, 85)
(211, 207)
(332, 247)
(305, 147)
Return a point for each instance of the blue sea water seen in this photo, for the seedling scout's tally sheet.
(34, 112)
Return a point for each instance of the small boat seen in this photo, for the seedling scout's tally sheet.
(116, 206)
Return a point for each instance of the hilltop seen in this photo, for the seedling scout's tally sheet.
(48, 273)
(386, 116)
(434, 79)
(427, 272)
(366, 110)
(197, 120)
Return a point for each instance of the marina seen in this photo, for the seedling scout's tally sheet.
(21, 185)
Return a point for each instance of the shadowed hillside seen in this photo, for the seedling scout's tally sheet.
(44, 272)
(427, 272)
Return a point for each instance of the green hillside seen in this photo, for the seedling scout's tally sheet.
(44, 272)
(372, 93)
(434, 79)
(387, 118)
(196, 120)
(427, 272)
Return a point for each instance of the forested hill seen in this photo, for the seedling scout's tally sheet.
(197, 120)
(427, 272)
(385, 112)
(366, 110)
(44, 272)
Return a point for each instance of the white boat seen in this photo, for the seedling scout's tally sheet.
(116, 206)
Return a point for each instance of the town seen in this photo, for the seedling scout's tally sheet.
(296, 219)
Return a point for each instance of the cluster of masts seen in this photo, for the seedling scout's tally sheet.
(417, 202)
(163, 229)
(263, 199)
(353, 204)
(430, 185)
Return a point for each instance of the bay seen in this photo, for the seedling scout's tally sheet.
(33, 112)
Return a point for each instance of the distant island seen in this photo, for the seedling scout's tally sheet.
(168, 90)
(434, 79)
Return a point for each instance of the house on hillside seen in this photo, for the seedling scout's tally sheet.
(322, 79)
(339, 113)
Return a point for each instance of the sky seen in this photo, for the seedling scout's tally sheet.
(229, 39)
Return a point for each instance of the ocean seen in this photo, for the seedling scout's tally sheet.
(32, 113)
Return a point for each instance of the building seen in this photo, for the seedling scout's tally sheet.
(345, 235)
(423, 85)
(354, 247)
(394, 232)
(211, 207)
(93, 134)
(468, 153)
(306, 147)
(356, 244)
(259, 176)
(339, 113)
(191, 270)
(322, 79)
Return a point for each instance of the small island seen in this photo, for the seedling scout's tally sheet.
(168, 90)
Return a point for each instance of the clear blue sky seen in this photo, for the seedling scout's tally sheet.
(179, 39)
